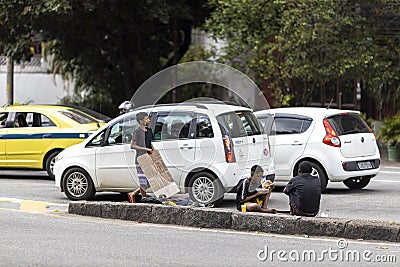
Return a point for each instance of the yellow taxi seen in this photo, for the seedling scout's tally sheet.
(31, 136)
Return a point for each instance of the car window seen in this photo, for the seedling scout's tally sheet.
(266, 122)
(172, 126)
(203, 126)
(34, 119)
(240, 123)
(20, 120)
(98, 139)
(3, 119)
(348, 124)
(283, 125)
(77, 116)
(122, 131)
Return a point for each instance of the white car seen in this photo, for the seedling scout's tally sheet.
(338, 143)
(207, 147)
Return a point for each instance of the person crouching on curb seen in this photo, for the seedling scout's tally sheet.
(141, 142)
(304, 192)
(248, 198)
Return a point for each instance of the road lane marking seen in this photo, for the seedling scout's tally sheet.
(31, 205)
(389, 167)
(27, 205)
(389, 172)
(17, 200)
(384, 181)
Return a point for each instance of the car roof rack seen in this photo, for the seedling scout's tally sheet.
(212, 101)
(173, 104)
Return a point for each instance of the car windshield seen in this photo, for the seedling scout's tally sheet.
(240, 123)
(77, 116)
(348, 124)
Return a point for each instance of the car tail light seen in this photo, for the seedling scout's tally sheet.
(331, 138)
(229, 153)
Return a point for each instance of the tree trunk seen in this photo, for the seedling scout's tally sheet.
(10, 81)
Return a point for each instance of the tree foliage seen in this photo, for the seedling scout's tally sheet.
(297, 46)
(108, 47)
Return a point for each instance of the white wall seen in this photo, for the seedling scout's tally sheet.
(36, 88)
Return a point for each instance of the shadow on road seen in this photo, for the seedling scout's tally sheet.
(25, 175)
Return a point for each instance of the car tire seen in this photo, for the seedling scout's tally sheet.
(78, 185)
(49, 164)
(205, 188)
(320, 172)
(357, 182)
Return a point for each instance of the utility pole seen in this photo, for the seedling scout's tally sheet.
(10, 81)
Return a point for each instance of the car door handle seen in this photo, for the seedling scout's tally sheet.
(46, 135)
(186, 147)
(297, 143)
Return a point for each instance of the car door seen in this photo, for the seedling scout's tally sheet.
(288, 139)
(27, 141)
(115, 160)
(3, 134)
(356, 137)
(258, 147)
(206, 144)
(232, 124)
(171, 137)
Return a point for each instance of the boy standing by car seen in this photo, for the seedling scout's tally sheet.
(141, 142)
(250, 197)
(304, 192)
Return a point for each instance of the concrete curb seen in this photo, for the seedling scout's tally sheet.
(234, 220)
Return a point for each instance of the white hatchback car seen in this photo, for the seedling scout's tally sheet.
(207, 147)
(338, 143)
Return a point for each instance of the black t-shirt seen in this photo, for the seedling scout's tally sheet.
(243, 191)
(305, 192)
(143, 139)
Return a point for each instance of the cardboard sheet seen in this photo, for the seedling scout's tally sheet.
(160, 179)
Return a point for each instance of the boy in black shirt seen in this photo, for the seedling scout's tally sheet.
(141, 142)
(304, 192)
(250, 197)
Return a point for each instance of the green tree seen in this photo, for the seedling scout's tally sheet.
(297, 46)
(108, 47)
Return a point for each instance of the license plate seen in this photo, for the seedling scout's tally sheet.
(364, 165)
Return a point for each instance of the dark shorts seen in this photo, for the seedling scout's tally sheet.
(143, 183)
(295, 211)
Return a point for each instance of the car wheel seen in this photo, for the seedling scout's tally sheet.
(49, 165)
(78, 185)
(357, 182)
(317, 170)
(205, 188)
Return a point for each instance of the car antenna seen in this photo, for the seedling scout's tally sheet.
(329, 103)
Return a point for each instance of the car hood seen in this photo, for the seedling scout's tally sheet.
(71, 151)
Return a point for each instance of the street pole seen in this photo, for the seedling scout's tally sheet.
(10, 81)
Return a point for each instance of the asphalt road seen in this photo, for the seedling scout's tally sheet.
(378, 201)
(59, 239)
(44, 234)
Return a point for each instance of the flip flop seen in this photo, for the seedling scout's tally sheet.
(131, 198)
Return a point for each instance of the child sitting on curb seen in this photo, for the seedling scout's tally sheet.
(250, 197)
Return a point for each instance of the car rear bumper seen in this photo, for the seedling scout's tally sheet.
(351, 166)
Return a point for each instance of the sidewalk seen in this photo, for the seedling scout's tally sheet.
(240, 221)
